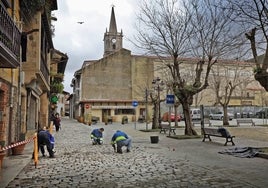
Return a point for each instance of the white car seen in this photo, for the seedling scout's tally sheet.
(219, 116)
(196, 114)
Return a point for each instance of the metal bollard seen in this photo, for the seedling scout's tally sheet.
(51, 127)
(35, 150)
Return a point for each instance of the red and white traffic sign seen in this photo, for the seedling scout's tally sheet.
(87, 106)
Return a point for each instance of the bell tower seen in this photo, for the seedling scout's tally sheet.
(112, 39)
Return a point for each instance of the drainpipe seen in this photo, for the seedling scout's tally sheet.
(11, 93)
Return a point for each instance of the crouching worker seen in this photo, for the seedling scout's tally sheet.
(44, 138)
(121, 139)
(96, 136)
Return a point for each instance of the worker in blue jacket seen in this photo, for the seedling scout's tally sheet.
(44, 139)
(96, 136)
(121, 139)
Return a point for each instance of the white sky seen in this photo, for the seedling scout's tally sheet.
(85, 41)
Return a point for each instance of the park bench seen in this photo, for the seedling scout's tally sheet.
(206, 121)
(165, 127)
(245, 121)
(218, 132)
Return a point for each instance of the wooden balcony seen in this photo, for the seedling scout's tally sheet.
(10, 38)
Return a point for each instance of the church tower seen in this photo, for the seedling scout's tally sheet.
(112, 39)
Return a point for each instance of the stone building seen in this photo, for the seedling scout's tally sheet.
(36, 64)
(27, 56)
(107, 87)
(10, 36)
(57, 69)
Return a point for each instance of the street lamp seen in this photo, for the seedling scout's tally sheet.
(158, 84)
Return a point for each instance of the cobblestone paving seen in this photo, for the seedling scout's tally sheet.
(78, 163)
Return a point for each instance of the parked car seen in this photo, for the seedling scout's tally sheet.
(237, 115)
(219, 116)
(196, 114)
(248, 114)
(172, 117)
(263, 113)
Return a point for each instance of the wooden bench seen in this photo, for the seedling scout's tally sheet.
(218, 132)
(165, 127)
(245, 121)
(206, 121)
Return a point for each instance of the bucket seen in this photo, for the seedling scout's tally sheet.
(154, 139)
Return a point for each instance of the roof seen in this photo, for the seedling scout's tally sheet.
(113, 28)
(61, 59)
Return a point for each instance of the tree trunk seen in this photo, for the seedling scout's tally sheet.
(225, 116)
(176, 114)
(155, 116)
(262, 78)
(189, 130)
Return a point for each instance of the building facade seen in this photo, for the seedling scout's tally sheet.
(27, 58)
(107, 87)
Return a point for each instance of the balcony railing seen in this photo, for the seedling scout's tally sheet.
(44, 70)
(43, 74)
(10, 38)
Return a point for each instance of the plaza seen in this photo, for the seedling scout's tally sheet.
(169, 163)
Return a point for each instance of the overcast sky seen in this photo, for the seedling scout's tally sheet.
(85, 41)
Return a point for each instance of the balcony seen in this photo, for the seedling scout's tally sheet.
(10, 38)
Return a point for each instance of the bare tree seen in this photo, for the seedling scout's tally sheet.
(155, 101)
(252, 15)
(178, 29)
(225, 79)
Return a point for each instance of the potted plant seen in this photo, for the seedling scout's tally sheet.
(18, 150)
(106, 120)
(2, 153)
(124, 120)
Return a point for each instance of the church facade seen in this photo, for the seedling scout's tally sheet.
(107, 88)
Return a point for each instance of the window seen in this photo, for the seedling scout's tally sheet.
(124, 111)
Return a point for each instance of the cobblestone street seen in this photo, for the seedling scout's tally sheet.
(170, 163)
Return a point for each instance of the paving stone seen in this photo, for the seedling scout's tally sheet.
(77, 163)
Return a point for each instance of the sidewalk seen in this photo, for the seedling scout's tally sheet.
(13, 164)
(201, 154)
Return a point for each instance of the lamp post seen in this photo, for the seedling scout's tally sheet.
(146, 109)
(158, 84)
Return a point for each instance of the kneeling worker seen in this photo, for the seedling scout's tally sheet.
(121, 139)
(96, 136)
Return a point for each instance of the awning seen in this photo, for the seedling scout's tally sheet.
(112, 107)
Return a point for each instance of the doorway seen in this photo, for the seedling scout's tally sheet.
(105, 113)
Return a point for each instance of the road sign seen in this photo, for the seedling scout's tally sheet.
(135, 103)
(87, 106)
(54, 99)
(170, 100)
